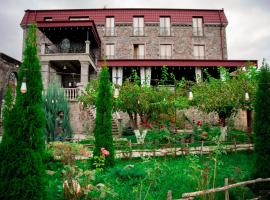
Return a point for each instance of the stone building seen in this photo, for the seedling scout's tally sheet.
(73, 44)
(8, 74)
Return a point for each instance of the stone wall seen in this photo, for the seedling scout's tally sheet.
(181, 39)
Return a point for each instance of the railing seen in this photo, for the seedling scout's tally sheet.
(165, 31)
(71, 93)
(138, 31)
(78, 48)
(110, 31)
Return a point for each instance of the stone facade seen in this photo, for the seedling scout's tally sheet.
(181, 39)
(8, 72)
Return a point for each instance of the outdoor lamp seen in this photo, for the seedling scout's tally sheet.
(246, 96)
(23, 86)
(116, 93)
(190, 95)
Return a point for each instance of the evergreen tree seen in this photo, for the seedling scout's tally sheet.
(21, 168)
(262, 128)
(55, 101)
(7, 108)
(103, 125)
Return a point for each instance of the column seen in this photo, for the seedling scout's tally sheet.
(84, 72)
(142, 75)
(145, 73)
(148, 75)
(43, 48)
(114, 75)
(119, 76)
(45, 72)
(198, 74)
(87, 46)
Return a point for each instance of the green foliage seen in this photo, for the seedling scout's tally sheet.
(55, 101)
(103, 124)
(21, 168)
(262, 127)
(7, 108)
(226, 95)
(89, 96)
(129, 172)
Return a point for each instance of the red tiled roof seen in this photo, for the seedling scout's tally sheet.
(126, 15)
(177, 63)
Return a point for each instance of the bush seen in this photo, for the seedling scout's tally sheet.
(128, 172)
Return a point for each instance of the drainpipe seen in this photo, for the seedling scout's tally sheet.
(221, 35)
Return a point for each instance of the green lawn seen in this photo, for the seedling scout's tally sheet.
(160, 175)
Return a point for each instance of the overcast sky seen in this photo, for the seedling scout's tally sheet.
(248, 32)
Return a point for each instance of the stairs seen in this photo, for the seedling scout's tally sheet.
(92, 114)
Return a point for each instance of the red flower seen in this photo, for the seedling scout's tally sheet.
(199, 123)
(104, 152)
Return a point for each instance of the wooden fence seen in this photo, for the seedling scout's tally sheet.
(225, 189)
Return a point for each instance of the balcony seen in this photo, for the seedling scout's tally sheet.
(66, 51)
(71, 93)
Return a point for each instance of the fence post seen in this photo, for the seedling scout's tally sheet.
(226, 182)
(169, 195)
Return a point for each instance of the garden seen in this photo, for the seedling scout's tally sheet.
(180, 141)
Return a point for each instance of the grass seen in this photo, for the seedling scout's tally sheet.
(159, 175)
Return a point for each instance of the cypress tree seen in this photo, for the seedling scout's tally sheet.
(262, 128)
(55, 101)
(103, 124)
(21, 168)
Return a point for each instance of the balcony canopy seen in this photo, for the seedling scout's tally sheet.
(76, 31)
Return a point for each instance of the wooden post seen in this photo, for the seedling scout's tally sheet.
(202, 147)
(226, 183)
(169, 195)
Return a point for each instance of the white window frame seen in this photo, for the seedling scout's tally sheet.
(110, 51)
(141, 51)
(165, 51)
(138, 26)
(199, 52)
(110, 26)
(165, 26)
(197, 26)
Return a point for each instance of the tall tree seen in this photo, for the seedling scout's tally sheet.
(21, 168)
(262, 127)
(103, 124)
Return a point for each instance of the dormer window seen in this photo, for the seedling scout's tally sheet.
(47, 19)
(79, 18)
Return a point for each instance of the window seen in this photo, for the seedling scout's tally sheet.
(47, 19)
(79, 18)
(110, 30)
(197, 26)
(138, 26)
(138, 51)
(199, 52)
(165, 51)
(165, 26)
(109, 51)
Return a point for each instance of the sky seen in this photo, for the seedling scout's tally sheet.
(248, 31)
